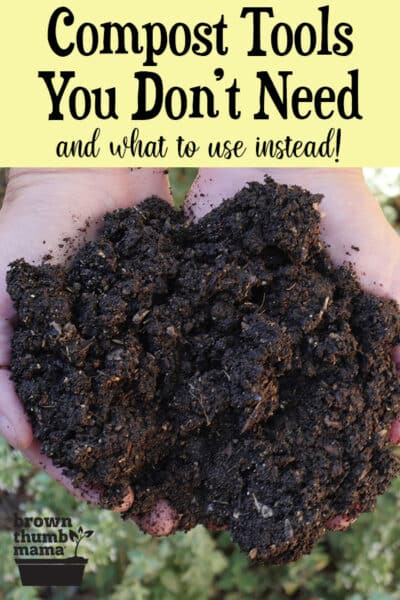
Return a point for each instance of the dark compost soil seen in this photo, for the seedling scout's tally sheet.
(226, 366)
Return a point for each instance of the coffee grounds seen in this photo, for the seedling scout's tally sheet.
(226, 366)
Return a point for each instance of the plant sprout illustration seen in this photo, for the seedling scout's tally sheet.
(78, 537)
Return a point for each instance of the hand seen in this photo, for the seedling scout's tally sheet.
(352, 225)
(41, 207)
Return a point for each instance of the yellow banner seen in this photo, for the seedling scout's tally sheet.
(278, 82)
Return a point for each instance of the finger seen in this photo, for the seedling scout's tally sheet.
(340, 523)
(396, 356)
(150, 182)
(99, 190)
(6, 331)
(212, 186)
(394, 433)
(162, 520)
(14, 424)
(36, 458)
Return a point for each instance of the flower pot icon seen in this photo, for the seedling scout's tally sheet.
(55, 571)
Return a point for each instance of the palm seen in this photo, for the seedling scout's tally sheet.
(352, 219)
(41, 209)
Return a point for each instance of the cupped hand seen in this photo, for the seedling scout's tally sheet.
(41, 208)
(352, 226)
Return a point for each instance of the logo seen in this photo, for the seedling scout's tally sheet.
(39, 551)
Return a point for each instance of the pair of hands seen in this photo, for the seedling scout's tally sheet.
(43, 206)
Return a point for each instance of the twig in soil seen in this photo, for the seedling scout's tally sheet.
(252, 420)
(204, 410)
(323, 309)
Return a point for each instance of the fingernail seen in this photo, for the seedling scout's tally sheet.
(340, 523)
(8, 432)
(126, 502)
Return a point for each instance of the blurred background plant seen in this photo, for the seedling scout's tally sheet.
(124, 564)
(385, 184)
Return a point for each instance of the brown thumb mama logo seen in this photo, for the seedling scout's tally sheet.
(39, 551)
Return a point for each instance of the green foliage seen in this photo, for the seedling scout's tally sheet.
(385, 185)
(182, 566)
(369, 553)
(181, 180)
(13, 467)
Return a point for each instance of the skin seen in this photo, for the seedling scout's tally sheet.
(51, 204)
